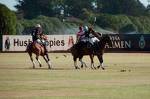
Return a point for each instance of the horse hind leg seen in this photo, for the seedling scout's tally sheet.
(101, 63)
(37, 58)
(31, 58)
(75, 62)
(100, 57)
(92, 62)
(48, 62)
(82, 63)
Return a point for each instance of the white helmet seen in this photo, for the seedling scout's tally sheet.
(85, 28)
(38, 25)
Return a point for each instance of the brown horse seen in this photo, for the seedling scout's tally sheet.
(101, 48)
(80, 49)
(38, 50)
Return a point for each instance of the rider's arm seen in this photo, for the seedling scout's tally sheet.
(33, 32)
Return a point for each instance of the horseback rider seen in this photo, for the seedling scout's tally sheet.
(88, 36)
(80, 34)
(37, 35)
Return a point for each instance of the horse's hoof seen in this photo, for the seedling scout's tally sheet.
(77, 68)
(92, 68)
(49, 67)
(98, 67)
(40, 65)
(33, 66)
(103, 68)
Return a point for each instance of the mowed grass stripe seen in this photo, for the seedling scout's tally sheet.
(19, 80)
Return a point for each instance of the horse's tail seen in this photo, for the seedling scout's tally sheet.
(70, 49)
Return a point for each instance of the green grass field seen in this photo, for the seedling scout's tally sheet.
(19, 81)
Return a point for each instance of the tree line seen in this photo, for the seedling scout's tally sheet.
(115, 15)
(78, 8)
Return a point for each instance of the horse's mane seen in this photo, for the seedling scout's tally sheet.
(104, 39)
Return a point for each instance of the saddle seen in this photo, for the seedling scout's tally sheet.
(42, 42)
(89, 43)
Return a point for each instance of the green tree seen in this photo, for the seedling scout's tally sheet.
(148, 10)
(7, 21)
(128, 7)
(117, 23)
(34, 8)
(75, 8)
(128, 28)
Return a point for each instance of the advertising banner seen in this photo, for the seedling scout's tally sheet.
(119, 42)
(19, 43)
(15, 43)
(129, 42)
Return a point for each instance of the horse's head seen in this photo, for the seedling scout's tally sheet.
(106, 39)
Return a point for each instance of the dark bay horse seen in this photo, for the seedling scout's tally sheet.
(38, 50)
(79, 50)
(101, 48)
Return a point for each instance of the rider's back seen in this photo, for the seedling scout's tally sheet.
(36, 33)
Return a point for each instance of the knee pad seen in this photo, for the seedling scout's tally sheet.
(39, 41)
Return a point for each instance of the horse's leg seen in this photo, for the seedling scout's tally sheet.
(100, 57)
(47, 56)
(75, 62)
(37, 58)
(92, 62)
(48, 62)
(30, 54)
(82, 63)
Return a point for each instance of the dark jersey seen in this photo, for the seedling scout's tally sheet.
(36, 33)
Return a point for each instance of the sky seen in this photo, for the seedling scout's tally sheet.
(11, 3)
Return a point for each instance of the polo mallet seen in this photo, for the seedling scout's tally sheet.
(94, 21)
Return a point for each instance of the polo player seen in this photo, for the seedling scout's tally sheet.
(88, 36)
(37, 35)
